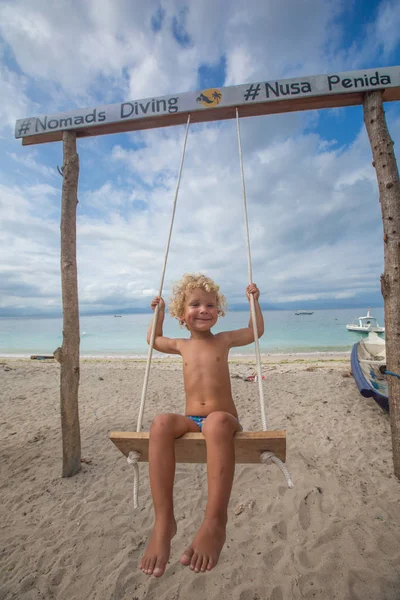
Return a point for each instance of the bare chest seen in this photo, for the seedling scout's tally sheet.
(204, 355)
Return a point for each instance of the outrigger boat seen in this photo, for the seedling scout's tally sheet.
(368, 364)
(365, 324)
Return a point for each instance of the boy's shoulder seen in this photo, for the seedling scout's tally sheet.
(222, 337)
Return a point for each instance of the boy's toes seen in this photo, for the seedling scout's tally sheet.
(210, 564)
(187, 557)
(198, 564)
(147, 568)
(194, 561)
(204, 564)
(159, 568)
(143, 565)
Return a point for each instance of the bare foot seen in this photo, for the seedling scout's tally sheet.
(203, 554)
(158, 549)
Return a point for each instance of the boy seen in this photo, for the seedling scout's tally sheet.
(210, 408)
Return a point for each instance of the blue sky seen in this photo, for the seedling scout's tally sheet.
(314, 214)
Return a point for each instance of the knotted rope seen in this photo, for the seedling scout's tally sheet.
(266, 457)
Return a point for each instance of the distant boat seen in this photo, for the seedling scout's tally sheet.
(304, 312)
(368, 364)
(117, 316)
(365, 324)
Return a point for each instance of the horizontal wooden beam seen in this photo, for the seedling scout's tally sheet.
(214, 104)
(191, 447)
(216, 114)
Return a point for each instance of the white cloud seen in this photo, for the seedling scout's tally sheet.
(29, 163)
(386, 28)
(14, 101)
(309, 209)
(313, 207)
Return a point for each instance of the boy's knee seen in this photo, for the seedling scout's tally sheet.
(218, 423)
(162, 424)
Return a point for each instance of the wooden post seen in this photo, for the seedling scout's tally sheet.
(68, 354)
(389, 197)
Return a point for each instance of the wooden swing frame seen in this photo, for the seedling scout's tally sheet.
(370, 95)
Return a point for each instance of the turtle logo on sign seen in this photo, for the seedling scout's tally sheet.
(211, 97)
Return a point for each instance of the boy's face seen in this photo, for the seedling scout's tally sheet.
(201, 311)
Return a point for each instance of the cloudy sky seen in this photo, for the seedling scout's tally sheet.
(314, 214)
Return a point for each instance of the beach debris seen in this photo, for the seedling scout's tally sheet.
(252, 378)
(7, 368)
(39, 437)
(246, 374)
(42, 357)
(311, 368)
(347, 374)
(101, 378)
(87, 461)
(238, 509)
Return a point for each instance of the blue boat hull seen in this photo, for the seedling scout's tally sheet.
(368, 387)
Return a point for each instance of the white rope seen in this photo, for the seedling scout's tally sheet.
(132, 459)
(134, 456)
(269, 457)
(265, 456)
(154, 323)
(252, 305)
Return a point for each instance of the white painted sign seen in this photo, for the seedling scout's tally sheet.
(150, 110)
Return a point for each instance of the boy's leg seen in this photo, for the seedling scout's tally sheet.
(164, 430)
(218, 429)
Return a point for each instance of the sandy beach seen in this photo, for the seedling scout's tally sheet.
(335, 535)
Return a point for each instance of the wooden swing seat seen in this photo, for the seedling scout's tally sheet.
(191, 447)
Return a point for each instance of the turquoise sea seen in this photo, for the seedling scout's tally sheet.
(106, 335)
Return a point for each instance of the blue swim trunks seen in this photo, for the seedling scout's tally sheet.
(200, 420)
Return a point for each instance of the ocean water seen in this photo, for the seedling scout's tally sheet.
(106, 335)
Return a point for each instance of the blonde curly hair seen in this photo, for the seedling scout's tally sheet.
(188, 283)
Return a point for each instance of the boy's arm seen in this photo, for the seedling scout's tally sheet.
(242, 337)
(161, 343)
